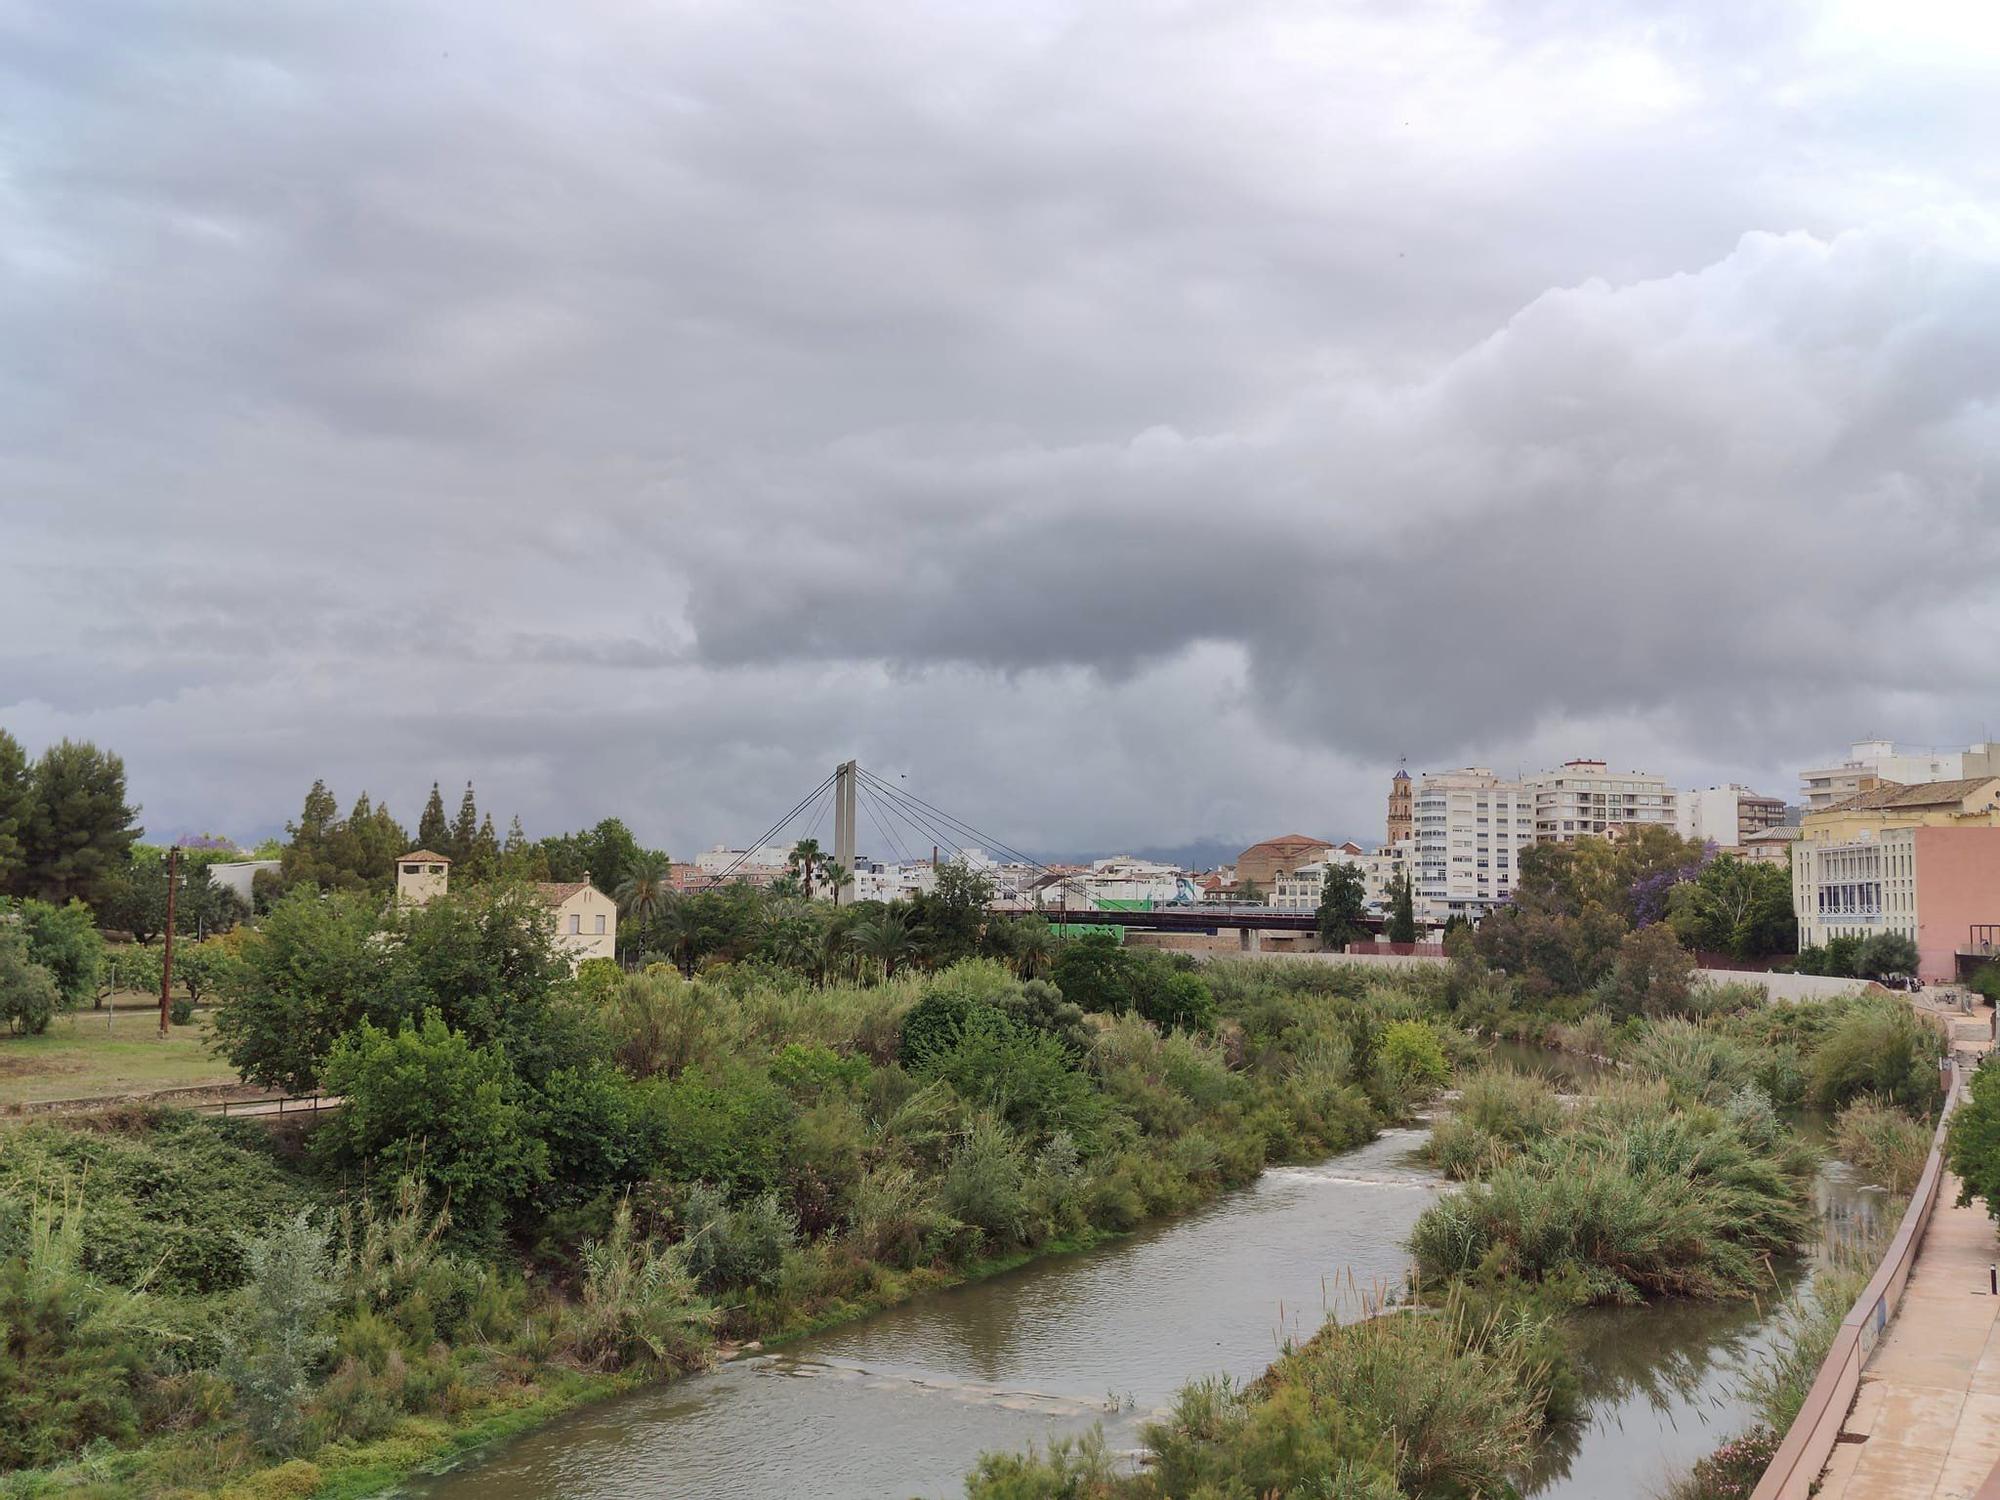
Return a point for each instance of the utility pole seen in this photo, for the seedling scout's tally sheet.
(844, 781)
(167, 958)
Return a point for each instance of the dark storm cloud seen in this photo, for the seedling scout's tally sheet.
(1135, 422)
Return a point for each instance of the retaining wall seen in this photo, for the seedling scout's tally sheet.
(1803, 1453)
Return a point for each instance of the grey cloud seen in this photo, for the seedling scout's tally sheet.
(1136, 423)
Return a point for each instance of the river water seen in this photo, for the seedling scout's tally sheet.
(902, 1403)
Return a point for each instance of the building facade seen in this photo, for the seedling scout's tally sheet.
(1971, 802)
(421, 877)
(1873, 763)
(1937, 886)
(1470, 827)
(1585, 798)
(1726, 816)
(584, 918)
(1300, 890)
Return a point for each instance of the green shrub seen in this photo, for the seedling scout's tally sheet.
(1700, 1066)
(429, 1102)
(985, 1183)
(278, 1344)
(1628, 1200)
(1027, 1078)
(1882, 1143)
(638, 1303)
(734, 1247)
(1880, 1048)
(1972, 1143)
(170, 1192)
(1411, 1051)
(75, 1349)
(729, 1130)
(64, 940)
(28, 993)
(1093, 973)
(1498, 1112)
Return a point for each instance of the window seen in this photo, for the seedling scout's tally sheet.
(575, 924)
(413, 869)
(600, 922)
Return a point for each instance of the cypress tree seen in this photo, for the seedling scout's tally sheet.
(1403, 916)
(466, 830)
(433, 833)
(482, 860)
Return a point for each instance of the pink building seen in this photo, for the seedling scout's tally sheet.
(1940, 887)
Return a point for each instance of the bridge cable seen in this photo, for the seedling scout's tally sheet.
(763, 838)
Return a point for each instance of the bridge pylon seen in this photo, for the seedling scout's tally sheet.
(844, 782)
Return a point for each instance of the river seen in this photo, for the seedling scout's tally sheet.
(903, 1402)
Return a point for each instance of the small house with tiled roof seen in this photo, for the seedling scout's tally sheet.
(421, 877)
(586, 920)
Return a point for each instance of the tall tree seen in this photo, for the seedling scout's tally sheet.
(312, 856)
(433, 832)
(608, 849)
(642, 894)
(80, 830)
(482, 860)
(465, 832)
(521, 860)
(1402, 911)
(1343, 902)
(16, 793)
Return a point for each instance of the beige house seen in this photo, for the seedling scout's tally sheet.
(586, 920)
(421, 877)
(583, 919)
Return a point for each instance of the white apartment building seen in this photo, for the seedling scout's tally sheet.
(1585, 798)
(1727, 816)
(1872, 762)
(1470, 829)
(1300, 889)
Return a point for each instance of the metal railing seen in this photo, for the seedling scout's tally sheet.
(295, 1104)
(1803, 1454)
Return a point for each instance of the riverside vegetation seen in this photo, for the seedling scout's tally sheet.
(543, 1187)
(1677, 1176)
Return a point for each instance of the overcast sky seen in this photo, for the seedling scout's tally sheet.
(1132, 422)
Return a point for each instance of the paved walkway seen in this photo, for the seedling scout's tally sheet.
(1926, 1422)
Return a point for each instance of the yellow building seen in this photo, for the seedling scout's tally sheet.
(1971, 803)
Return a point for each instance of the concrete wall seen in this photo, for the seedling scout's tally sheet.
(1787, 986)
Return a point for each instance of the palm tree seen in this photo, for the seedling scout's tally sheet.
(1034, 944)
(676, 925)
(812, 864)
(886, 938)
(643, 891)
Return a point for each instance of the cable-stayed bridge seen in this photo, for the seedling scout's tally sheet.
(912, 829)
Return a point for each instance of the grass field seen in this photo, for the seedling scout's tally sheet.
(84, 1054)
